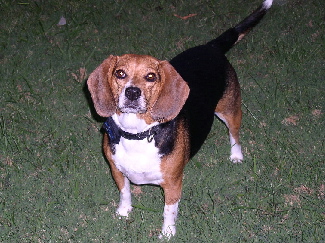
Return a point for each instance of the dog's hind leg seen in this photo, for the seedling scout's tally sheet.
(233, 123)
(229, 111)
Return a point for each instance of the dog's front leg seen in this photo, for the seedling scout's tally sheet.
(172, 198)
(123, 183)
(125, 205)
(170, 216)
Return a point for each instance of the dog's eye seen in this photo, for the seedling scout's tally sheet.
(151, 77)
(120, 74)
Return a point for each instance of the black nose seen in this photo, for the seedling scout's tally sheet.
(132, 93)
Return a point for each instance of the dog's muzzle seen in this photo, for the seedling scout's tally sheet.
(132, 101)
(132, 93)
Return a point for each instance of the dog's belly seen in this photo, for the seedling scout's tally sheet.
(139, 161)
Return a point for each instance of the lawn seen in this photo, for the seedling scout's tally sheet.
(55, 185)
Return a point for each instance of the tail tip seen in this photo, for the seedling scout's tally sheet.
(267, 4)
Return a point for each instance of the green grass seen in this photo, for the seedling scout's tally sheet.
(55, 185)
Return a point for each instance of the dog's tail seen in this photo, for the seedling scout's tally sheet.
(231, 36)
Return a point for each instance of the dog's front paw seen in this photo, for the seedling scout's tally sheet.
(167, 232)
(124, 210)
(170, 214)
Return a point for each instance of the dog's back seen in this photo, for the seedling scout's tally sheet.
(203, 68)
(208, 72)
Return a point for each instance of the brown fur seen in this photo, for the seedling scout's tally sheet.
(229, 107)
(165, 98)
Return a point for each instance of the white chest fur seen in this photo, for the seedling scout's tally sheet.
(138, 160)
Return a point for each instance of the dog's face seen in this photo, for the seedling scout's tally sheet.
(138, 84)
(137, 81)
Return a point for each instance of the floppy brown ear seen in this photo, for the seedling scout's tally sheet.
(173, 94)
(99, 87)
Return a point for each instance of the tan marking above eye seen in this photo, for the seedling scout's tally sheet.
(151, 77)
(120, 74)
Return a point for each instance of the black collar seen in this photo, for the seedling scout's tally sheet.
(115, 133)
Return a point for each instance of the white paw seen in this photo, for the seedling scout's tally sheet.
(170, 215)
(167, 232)
(124, 210)
(125, 205)
(236, 154)
(236, 159)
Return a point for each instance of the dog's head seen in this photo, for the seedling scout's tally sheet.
(137, 84)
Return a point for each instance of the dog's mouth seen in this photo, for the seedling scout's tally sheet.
(132, 108)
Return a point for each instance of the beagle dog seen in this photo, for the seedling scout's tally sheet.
(159, 113)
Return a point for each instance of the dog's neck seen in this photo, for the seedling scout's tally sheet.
(130, 122)
(115, 132)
